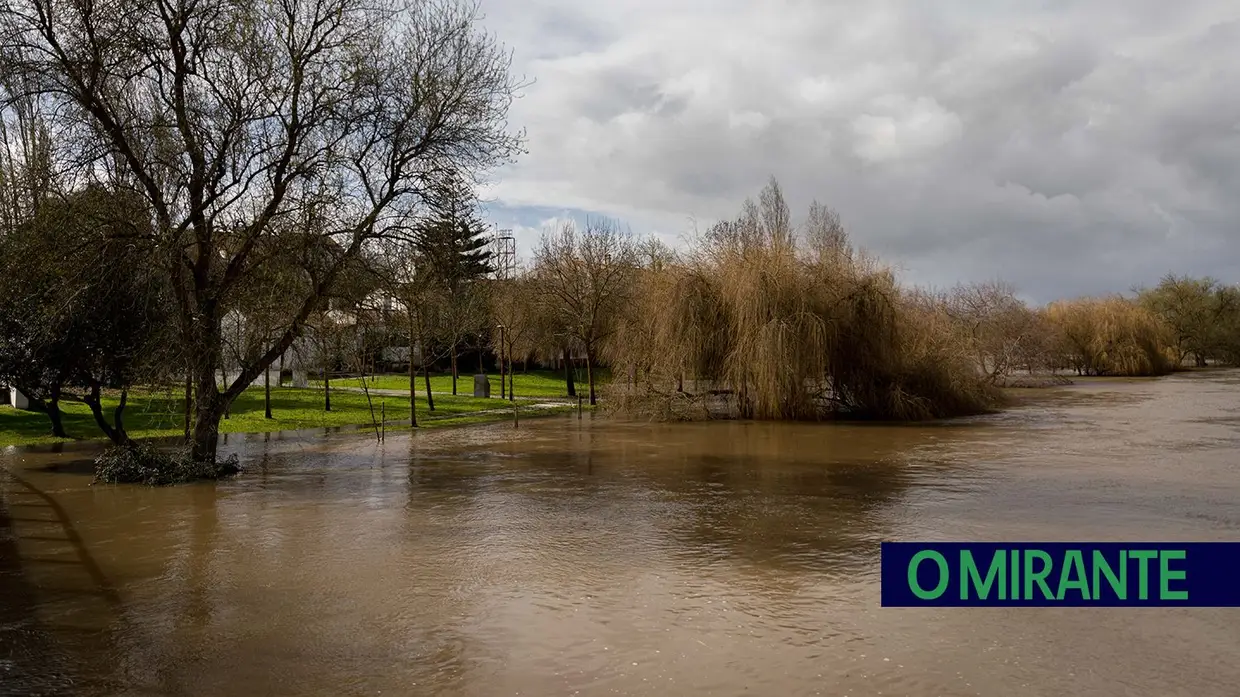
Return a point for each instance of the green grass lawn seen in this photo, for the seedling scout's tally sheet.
(161, 414)
(535, 383)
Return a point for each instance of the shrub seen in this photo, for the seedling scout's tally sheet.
(142, 463)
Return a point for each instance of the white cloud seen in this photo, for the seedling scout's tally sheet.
(960, 140)
(903, 129)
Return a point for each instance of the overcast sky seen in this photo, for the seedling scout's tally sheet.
(1068, 147)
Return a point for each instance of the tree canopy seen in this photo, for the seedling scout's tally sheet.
(230, 118)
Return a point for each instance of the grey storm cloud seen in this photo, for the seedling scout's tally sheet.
(1069, 147)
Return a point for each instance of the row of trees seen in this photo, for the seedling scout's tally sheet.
(186, 187)
(791, 321)
(1201, 317)
(274, 150)
(1178, 322)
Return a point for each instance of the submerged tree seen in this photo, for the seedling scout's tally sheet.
(1000, 329)
(792, 323)
(1194, 310)
(229, 116)
(1110, 336)
(1228, 330)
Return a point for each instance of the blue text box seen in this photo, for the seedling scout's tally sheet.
(1061, 574)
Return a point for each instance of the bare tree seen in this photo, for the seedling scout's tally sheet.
(229, 116)
(512, 307)
(462, 314)
(27, 178)
(997, 325)
(585, 280)
(411, 286)
(655, 261)
(325, 348)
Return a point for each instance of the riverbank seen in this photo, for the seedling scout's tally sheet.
(162, 414)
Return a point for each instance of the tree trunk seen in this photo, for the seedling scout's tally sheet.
(454, 375)
(1200, 360)
(503, 376)
(680, 382)
(189, 402)
(115, 433)
(327, 389)
(512, 374)
(118, 416)
(267, 392)
(413, 388)
(53, 413)
(590, 374)
(568, 373)
(209, 406)
(426, 373)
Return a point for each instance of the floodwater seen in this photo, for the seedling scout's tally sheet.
(595, 558)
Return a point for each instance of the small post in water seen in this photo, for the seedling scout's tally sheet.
(515, 422)
(579, 407)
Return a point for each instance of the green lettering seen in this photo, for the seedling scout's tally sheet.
(1038, 577)
(1073, 563)
(1165, 574)
(944, 576)
(969, 575)
(1119, 584)
(1143, 573)
(1014, 556)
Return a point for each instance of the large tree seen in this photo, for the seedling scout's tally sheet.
(230, 116)
(1228, 328)
(1193, 309)
(79, 312)
(452, 240)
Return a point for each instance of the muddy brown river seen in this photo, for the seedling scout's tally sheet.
(598, 558)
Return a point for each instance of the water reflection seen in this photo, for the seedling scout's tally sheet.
(593, 557)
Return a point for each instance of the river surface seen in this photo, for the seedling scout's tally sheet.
(592, 557)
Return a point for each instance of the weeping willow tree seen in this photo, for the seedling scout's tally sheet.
(781, 322)
(1111, 336)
